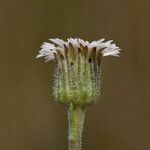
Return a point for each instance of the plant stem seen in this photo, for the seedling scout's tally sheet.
(76, 119)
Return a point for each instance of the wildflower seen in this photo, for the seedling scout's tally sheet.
(77, 77)
(78, 70)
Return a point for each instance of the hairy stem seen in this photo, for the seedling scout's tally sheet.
(76, 120)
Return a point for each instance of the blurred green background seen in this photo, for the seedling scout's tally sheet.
(29, 118)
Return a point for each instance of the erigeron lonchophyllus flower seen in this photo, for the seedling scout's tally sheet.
(77, 77)
(78, 68)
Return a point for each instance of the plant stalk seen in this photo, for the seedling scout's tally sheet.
(76, 119)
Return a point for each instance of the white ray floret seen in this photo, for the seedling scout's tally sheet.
(49, 49)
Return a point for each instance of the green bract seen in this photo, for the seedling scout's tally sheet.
(77, 77)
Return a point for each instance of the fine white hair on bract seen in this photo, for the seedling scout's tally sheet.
(48, 50)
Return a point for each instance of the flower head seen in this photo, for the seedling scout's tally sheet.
(78, 71)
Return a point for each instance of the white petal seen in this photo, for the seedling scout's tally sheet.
(47, 46)
(39, 55)
(74, 42)
(101, 40)
(93, 44)
(59, 42)
(82, 42)
(112, 53)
